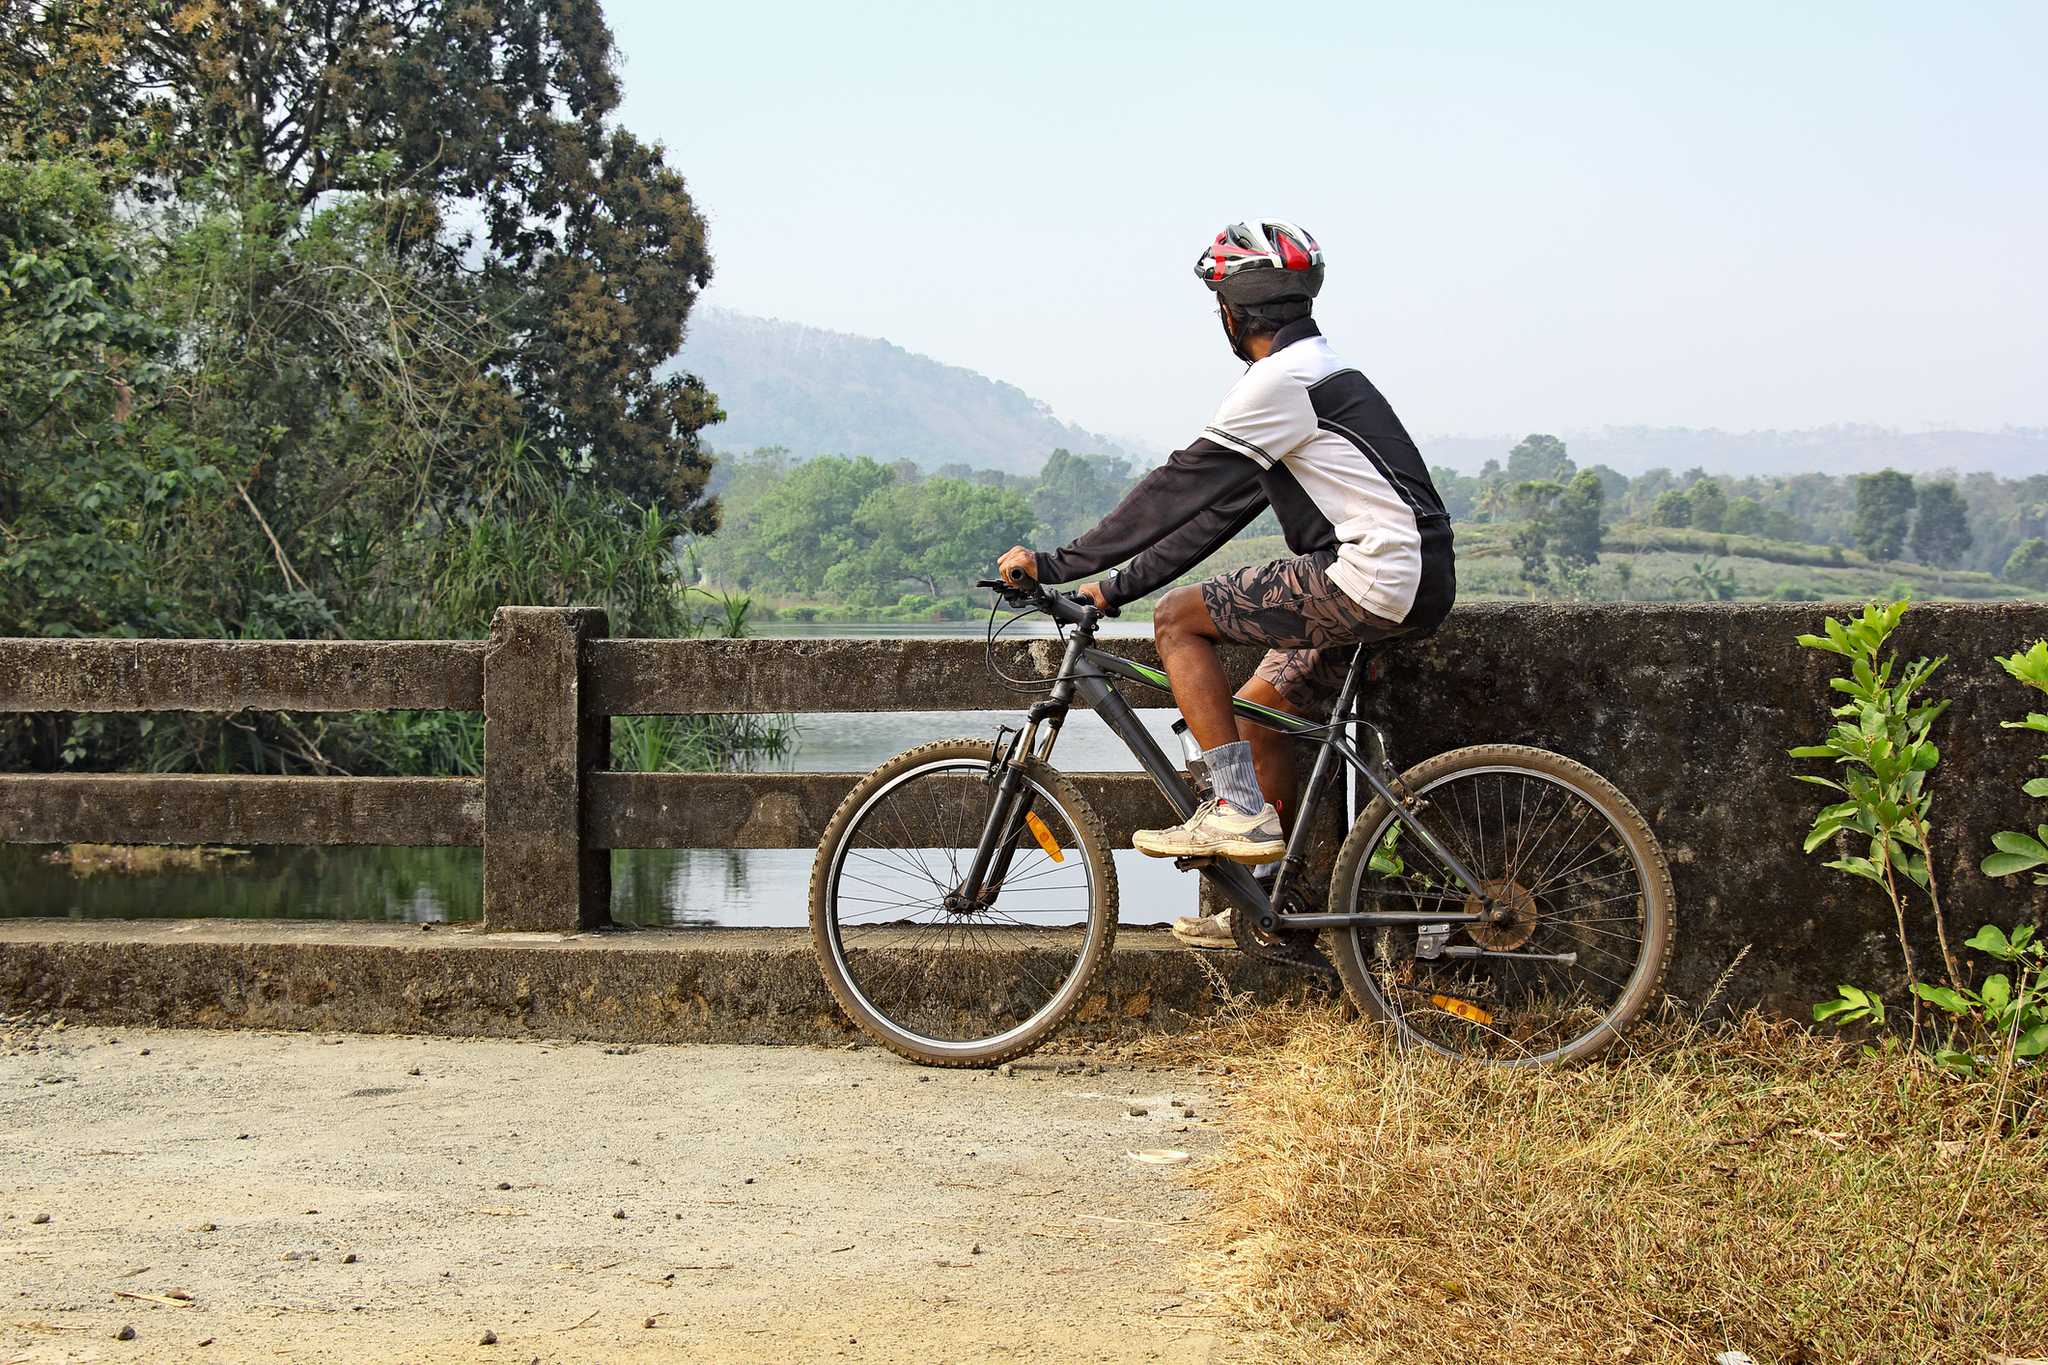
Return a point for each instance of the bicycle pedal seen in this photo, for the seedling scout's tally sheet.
(1192, 864)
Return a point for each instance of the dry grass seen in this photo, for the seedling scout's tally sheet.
(1762, 1190)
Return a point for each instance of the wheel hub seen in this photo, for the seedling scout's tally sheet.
(1512, 921)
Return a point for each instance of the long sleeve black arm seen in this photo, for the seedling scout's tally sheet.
(1182, 502)
(1194, 542)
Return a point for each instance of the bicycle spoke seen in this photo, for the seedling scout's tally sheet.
(918, 952)
(1551, 860)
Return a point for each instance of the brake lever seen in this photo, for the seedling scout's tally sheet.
(1012, 595)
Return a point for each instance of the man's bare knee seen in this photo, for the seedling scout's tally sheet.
(1182, 614)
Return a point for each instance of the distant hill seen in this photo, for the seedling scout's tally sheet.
(2014, 453)
(830, 393)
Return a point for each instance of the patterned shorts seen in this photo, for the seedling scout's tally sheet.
(1309, 625)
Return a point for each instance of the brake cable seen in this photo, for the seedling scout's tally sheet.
(1024, 685)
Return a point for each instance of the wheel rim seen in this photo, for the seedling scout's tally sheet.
(1566, 879)
(942, 976)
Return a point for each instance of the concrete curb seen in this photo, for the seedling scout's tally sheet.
(649, 985)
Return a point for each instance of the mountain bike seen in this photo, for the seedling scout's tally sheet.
(1496, 902)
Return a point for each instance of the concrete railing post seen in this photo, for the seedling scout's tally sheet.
(541, 743)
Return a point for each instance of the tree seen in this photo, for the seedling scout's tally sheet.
(1575, 521)
(1672, 508)
(88, 497)
(1644, 489)
(1709, 504)
(1492, 495)
(1744, 517)
(1941, 528)
(1531, 503)
(585, 244)
(2028, 564)
(1538, 457)
(1460, 492)
(940, 531)
(1884, 507)
(1614, 486)
(1074, 491)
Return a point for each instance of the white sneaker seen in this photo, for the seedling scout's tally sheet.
(1218, 829)
(1206, 931)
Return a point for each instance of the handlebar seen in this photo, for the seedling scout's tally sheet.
(1070, 608)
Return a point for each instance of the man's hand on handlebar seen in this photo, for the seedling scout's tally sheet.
(1019, 582)
(1018, 566)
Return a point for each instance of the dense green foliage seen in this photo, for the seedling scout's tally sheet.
(860, 534)
(1976, 523)
(575, 237)
(330, 320)
(1884, 508)
(1561, 532)
(2027, 565)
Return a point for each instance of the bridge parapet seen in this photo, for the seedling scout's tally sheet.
(1689, 709)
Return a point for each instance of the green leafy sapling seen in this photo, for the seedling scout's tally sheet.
(2019, 852)
(1851, 1005)
(1881, 741)
(2007, 1015)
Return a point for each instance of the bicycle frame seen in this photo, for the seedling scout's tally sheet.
(1087, 673)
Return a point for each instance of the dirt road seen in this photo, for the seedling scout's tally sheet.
(382, 1199)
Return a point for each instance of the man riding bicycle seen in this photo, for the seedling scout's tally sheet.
(1311, 438)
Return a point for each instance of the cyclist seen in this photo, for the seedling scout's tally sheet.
(1310, 437)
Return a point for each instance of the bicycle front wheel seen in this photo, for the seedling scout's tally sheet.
(1585, 921)
(926, 971)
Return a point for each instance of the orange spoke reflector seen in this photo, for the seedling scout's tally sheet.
(1044, 836)
(1464, 1009)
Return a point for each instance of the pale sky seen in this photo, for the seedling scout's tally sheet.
(1537, 217)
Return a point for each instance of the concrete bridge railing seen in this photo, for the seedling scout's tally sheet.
(546, 810)
(1689, 709)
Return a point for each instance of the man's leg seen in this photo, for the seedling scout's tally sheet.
(1187, 647)
(1241, 825)
(1272, 752)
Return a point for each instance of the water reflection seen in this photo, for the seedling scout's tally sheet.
(406, 885)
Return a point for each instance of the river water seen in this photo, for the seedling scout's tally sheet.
(752, 887)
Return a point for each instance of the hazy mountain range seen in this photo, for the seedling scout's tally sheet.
(832, 393)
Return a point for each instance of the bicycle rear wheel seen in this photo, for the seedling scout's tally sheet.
(923, 971)
(1589, 921)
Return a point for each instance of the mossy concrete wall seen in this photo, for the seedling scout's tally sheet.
(1689, 710)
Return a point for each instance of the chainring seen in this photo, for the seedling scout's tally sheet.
(1294, 949)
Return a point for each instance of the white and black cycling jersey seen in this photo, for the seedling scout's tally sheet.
(1311, 437)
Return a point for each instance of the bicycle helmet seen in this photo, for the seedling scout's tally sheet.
(1262, 260)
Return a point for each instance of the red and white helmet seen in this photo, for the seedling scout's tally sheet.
(1262, 260)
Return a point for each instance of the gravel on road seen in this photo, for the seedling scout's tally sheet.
(196, 1196)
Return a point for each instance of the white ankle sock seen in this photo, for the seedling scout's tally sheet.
(1234, 777)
